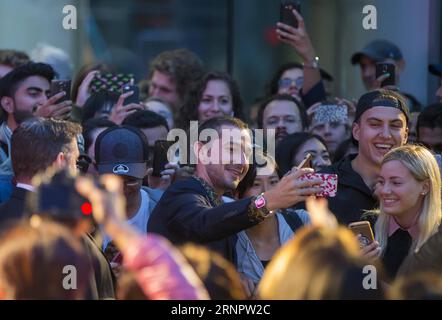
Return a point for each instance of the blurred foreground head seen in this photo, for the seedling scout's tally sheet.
(318, 264)
(42, 260)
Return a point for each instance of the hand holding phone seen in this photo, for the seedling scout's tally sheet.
(329, 183)
(286, 12)
(384, 69)
(135, 97)
(58, 86)
(160, 156)
(363, 229)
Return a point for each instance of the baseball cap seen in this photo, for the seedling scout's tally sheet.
(381, 98)
(122, 150)
(378, 50)
(435, 69)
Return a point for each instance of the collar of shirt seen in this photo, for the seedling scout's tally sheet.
(393, 226)
(26, 187)
(213, 196)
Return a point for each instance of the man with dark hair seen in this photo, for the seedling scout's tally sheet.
(283, 113)
(154, 128)
(193, 209)
(381, 124)
(36, 145)
(171, 75)
(429, 127)
(24, 94)
(436, 69)
(151, 124)
(11, 59)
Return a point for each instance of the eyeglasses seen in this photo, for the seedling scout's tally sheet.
(287, 82)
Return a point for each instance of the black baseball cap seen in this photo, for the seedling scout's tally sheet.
(435, 69)
(378, 50)
(381, 98)
(122, 150)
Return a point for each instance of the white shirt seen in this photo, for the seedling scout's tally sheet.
(138, 221)
(26, 186)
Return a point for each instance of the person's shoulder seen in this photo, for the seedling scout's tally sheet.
(189, 185)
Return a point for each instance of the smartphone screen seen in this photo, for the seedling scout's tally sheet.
(383, 68)
(286, 12)
(58, 86)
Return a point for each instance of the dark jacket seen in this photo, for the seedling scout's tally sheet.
(186, 214)
(102, 282)
(428, 258)
(353, 195)
(13, 209)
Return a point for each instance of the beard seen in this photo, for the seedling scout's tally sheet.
(21, 116)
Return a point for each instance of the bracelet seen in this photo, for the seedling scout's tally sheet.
(314, 64)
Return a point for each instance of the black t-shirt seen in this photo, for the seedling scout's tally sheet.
(353, 196)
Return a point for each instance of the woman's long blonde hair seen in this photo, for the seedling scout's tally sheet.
(423, 167)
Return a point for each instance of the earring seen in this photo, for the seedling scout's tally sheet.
(423, 193)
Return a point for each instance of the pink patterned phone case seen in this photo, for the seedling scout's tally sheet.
(329, 183)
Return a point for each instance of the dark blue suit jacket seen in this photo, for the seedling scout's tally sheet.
(185, 214)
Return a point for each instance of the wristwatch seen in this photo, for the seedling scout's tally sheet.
(257, 209)
(314, 64)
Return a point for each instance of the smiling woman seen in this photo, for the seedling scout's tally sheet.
(409, 190)
(216, 94)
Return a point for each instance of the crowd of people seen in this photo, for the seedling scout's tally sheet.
(80, 185)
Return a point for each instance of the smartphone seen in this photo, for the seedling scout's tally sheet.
(58, 86)
(286, 12)
(306, 163)
(383, 68)
(135, 97)
(329, 183)
(364, 229)
(160, 158)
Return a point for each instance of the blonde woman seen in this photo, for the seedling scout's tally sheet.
(409, 191)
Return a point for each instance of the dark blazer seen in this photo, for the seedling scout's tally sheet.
(185, 214)
(13, 209)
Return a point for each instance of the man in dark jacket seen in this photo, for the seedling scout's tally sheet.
(54, 145)
(32, 153)
(192, 210)
(380, 125)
